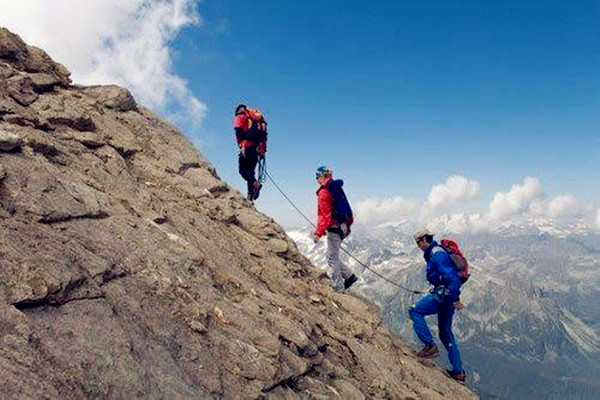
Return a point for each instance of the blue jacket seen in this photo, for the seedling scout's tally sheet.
(441, 272)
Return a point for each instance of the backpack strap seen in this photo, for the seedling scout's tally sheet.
(437, 249)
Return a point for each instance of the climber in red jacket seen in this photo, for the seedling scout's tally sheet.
(335, 218)
(251, 136)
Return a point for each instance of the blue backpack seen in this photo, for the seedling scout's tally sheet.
(341, 208)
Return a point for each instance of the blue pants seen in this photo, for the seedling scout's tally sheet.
(432, 304)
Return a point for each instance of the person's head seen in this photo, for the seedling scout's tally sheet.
(423, 237)
(323, 174)
(240, 109)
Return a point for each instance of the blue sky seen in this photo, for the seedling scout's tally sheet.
(397, 97)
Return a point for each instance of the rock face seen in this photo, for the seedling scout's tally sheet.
(128, 269)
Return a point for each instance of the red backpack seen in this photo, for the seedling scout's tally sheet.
(458, 259)
(256, 117)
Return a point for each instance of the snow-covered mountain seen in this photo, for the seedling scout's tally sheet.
(531, 327)
(544, 226)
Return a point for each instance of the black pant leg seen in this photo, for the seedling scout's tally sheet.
(247, 165)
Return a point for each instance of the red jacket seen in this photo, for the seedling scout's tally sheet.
(325, 210)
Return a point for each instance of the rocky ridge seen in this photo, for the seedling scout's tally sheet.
(128, 269)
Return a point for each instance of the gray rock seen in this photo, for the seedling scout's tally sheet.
(20, 88)
(277, 245)
(113, 97)
(89, 139)
(64, 111)
(29, 58)
(9, 141)
(11, 45)
(43, 82)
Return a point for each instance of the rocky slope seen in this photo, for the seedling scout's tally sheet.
(128, 269)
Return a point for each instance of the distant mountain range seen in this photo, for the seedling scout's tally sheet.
(531, 325)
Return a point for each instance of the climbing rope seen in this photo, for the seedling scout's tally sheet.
(343, 249)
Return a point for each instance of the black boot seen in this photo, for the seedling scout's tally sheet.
(457, 376)
(257, 187)
(350, 281)
(430, 351)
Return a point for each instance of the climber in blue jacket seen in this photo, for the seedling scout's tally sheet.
(443, 300)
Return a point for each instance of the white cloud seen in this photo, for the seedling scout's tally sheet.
(457, 188)
(517, 200)
(524, 204)
(126, 42)
(565, 205)
(374, 211)
(456, 223)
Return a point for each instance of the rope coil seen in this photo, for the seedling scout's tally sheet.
(262, 169)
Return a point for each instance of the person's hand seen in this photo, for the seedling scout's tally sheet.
(316, 238)
(458, 305)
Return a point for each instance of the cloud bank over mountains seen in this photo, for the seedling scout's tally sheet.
(124, 42)
(456, 189)
(524, 203)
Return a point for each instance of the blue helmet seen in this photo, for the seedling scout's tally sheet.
(323, 171)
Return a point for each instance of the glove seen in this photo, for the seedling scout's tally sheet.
(261, 149)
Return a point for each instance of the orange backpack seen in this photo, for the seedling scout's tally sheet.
(256, 117)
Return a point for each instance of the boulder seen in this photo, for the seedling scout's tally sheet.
(9, 141)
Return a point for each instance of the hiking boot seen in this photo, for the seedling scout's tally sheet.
(457, 376)
(429, 352)
(257, 186)
(350, 281)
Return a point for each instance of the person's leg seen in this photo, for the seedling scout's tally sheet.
(253, 184)
(445, 317)
(346, 272)
(247, 165)
(333, 260)
(428, 305)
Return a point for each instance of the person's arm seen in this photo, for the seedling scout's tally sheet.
(325, 208)
(433, 270)
(240, 125)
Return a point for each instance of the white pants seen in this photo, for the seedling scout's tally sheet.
(339, 271)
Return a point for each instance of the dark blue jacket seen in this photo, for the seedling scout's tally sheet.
(441, 272)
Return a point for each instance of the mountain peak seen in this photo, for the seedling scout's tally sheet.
(130, 270)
